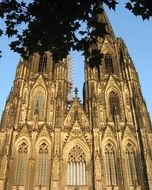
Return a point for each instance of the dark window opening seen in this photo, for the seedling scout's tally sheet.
(114, 103)
(109, 64)
(42, 64)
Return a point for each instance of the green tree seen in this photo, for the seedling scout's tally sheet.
(56, 25)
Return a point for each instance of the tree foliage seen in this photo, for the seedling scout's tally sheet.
(60, 26)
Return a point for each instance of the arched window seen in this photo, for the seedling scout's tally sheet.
(42, 64)
(21, 164)
(110, 164)
(130, 159)
(114, 103)
(76, 167)
(109, 64)
(42, 166)
(38, 104)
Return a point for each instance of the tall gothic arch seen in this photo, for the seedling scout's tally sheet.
(114, 104)
(42, 64)
(110, 165)
(108, 60)
(38, 101)
(21, 164)
(42, 164)
(131, 162)
(76, 172)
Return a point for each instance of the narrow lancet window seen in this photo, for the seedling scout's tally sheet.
(114, 104)
(130, 159)
(38, 104)
(110, 165)
(42, 166)
(76, 171)
(109, 64)
(21, 165)
(42, 64)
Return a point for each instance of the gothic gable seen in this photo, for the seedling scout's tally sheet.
(24, 131)
(109, 133)
(76, 133)
(111, 84)
(128, 133)
(76, 113)
(43, 133)
(108, 45)
(39, 82)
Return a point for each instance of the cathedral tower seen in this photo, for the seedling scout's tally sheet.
(48, 142)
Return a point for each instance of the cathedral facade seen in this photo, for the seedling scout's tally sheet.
(48, 142)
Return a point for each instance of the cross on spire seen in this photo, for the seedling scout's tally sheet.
(76, 92)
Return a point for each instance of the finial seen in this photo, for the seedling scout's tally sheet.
(76, 92)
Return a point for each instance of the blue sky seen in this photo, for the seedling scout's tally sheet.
(136, 34)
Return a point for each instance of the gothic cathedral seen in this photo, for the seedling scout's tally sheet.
(50, 142)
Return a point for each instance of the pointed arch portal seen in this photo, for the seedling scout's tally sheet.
(76, 167)
(42, 165)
